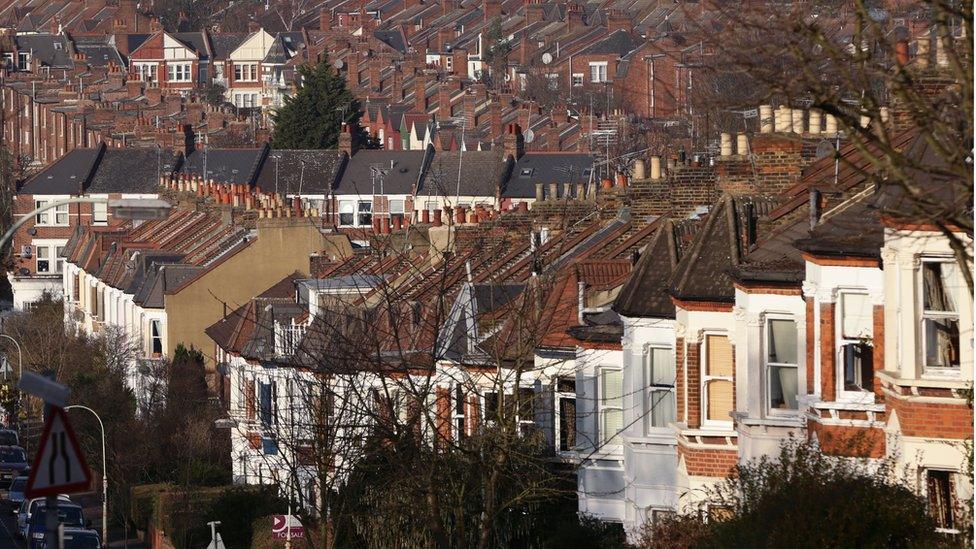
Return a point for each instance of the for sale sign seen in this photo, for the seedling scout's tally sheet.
(282, 525)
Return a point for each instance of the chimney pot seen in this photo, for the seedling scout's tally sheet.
(766, 118)
(922, 52)
(655, 168)
(725, 147)
(640, 169)
(553, 194)
(437, 217)
(539, 196)
(797, 115)
(742, 144)
(816, 118)
(830, 124)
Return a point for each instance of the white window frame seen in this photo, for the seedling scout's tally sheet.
(459, 430)
(43, 253)
(604, 440)
(558, 397)
(100, 217)
(578, 79)
(705, 379)
(924, 482)
(360, 212)
(653, 389)
(162, 344)
(769, 367)
(248, 72)
(58, 217)
(352, 203)
(147, 72)
(179, 72)
(840, 341)
(600, 75)
(923, 314)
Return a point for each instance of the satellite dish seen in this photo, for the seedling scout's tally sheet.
(528, 136)
(546, 58)
(338, 64)
(824, 148)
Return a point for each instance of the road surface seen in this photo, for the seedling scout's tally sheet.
(8, 529)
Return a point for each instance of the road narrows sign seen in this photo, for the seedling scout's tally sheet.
(59, 466)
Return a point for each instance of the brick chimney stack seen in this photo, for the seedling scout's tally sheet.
(346, 144)
(574, 17)
(514, 145)
(495, 119)
(420, 92)
(617, 20)
(492, 9)
(352, 61)
(460, 62)
(443, 101)
(470, 104)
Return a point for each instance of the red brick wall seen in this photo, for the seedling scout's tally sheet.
(928, 419)
(828, 382)
(708, 462)
(840, 440)
(694, 385)
(778, 162)
(879, 349)
(443, 414)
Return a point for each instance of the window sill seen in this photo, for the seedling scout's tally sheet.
(770, 421)
(858, 406)
(945, 381)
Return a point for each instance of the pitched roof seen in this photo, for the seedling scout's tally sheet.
(481, 173)
(544, 167)
(646, 293)
(104, 170)
(225, 165)
(703, 273)
(404, 170)
(292, 171)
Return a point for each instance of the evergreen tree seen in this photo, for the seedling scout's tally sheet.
(312, 118)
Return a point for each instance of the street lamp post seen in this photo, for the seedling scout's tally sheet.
(20, 373)
(104, 473)
(137, 208)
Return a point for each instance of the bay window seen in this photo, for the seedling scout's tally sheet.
(156, 337)
(610, 403)
(781, 363)
(49, 258)
(43, 254)
(717, 395)
(660, 374)
(397, 207)
(942, 292)
(943, 501)
(855, 352)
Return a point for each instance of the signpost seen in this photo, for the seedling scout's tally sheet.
(59, 466)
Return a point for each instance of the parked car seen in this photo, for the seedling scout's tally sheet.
(27, 509)
(15, 494)
(78, 538)
(13, 463)
(69, 514)
(9, 437)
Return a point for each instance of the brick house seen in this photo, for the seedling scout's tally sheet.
(172, 61)
(101, 172)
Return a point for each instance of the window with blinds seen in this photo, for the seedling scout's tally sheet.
(717, 379)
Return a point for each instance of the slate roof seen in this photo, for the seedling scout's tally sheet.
(547, 168)
(49, 49)
(225, 165)
(405, 170)
(393, 38)
(620, 42)
(852, 229)
(97, 51)
(482, 173)
(646, 293)
(703, 273)
(224, 43)
(321, 167)
(103, 170)
(197, 41)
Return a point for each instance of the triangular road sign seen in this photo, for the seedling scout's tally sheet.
(59, 466)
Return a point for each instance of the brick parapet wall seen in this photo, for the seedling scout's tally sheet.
(916, 418)
(709, 462)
